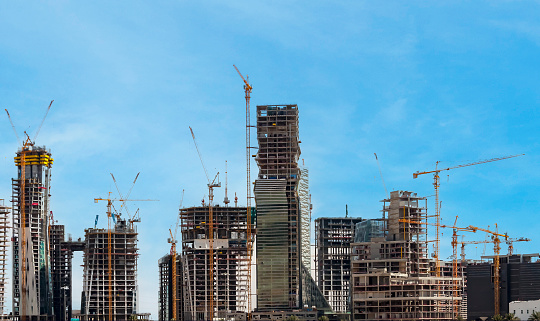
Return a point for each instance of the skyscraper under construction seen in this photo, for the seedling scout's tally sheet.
(284, 280)
(32, 291)
(215, 282)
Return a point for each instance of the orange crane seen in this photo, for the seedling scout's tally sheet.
(509, 242)
(247, 89)
(25, 148)
(496, 250)
(436, 184)
(173, 242)
(109, 233)
(454, 247)
(211, 185)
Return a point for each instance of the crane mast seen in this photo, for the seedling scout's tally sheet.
(173, 242)
(496, 250)
(247, 89)
(454, 248)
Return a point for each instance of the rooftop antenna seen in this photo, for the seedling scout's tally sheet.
(235, 200)
(226, 200)
(346, 210)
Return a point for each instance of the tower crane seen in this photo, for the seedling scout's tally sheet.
(510, 243)
(211, 185)
(436, 185)
(454, 249)
(25, 149)
(110, 207)
(247, 89)
(173, 242)
(496, 250)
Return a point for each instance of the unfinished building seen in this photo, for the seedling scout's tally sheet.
(284, 279)
(165, 294)
(110, 289)
(4, 244)
(32, 290)
(61, 271)
(333, 238)
(221, 291)
(391, 274)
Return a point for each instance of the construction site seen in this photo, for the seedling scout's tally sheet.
(257, 262)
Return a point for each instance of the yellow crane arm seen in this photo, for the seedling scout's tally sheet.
(474, 228)
(469, 229)
(415, 175)
(248, 86)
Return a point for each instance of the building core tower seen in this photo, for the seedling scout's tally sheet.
(32, 290)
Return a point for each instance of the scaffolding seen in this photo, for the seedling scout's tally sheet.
(95, 298)
(333, 237)
(4, 244)
(30, 198)
(229, 287)
(392, 276)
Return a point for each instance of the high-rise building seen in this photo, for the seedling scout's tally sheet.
(333, 238)
(282, 201)
(32, 290)
(165, 294)
(61, 271)
(224, 288)
(110, 288)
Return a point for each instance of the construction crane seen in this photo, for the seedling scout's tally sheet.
(247, 89)
(25, 149)
(496, 250)
(110, 216)
(380, 172)
(454, 248)
(509, 242)
(211, 185)
(173, 242)
(436, 184)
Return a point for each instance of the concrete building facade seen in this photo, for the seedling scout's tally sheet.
(333, 239)
(110, 289)
(392, 276)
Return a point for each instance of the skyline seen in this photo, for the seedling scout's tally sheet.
(413, 83)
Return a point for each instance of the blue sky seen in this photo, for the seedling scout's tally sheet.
(415, 82)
